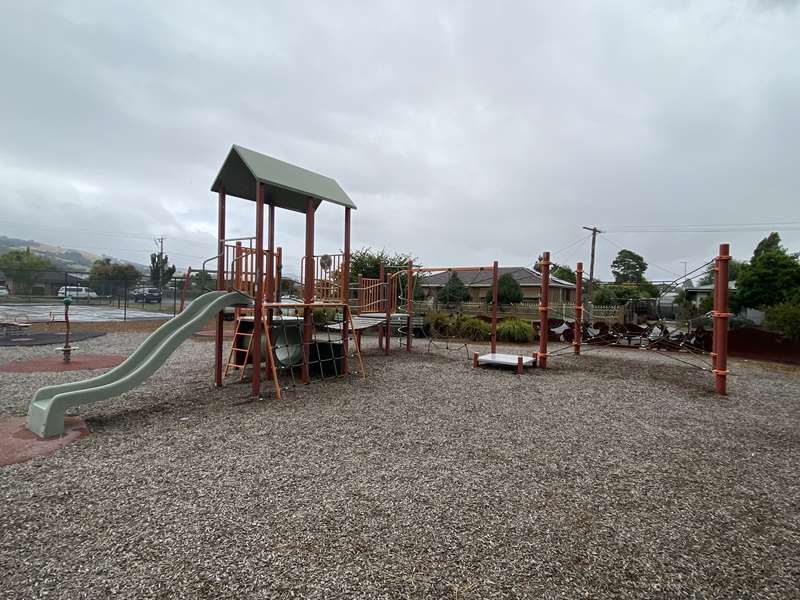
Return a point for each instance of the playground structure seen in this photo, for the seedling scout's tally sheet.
(379, 299)
(265, 333)
(283, 338)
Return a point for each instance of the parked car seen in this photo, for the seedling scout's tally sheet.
(147, 295)
(4, 291)
(74, 291)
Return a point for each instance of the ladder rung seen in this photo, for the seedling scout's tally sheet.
(240, 349)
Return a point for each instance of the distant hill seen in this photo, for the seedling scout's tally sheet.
(66, 259)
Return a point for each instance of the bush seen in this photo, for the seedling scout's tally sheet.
(323, 316)
(437, 323)
(475, 329)
(514, 330)
(784, 318)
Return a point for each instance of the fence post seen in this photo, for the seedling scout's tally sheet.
(125, 302)
(494, 307)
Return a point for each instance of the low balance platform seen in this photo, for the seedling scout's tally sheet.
(495, 359)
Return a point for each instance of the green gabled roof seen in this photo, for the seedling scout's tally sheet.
(287, 186)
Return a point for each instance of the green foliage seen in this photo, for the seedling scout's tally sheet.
(454, 291)
(628, 267)
(23, 267)
(564, 273)
(771, 277)
(160, 270)
(323, 316)
(508, 290)
(107, 278)
(367, 262)
(477, 330)
(514, 330)
(610, 294)
(461, 326)
(706, 304)
(771, 243)
(784, 318)
(734, 268)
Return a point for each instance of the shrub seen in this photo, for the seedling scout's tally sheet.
(784, 318)
(437, 323)
(323, 316)
(514, 330)
(475, 329)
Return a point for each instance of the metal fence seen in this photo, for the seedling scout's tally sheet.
(43, 291)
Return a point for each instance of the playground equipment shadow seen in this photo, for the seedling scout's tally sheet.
(616, 474)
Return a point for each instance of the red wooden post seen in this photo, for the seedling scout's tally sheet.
(721, 315)
(410, 305)
(474, 360)
(544, 317)
(308, 290)
(578, 307)
(220, 286)
(270, 279)
(360, 294)
(495, 270)
(344, 290)
(519, 365)
(255, 384)
(278, 272)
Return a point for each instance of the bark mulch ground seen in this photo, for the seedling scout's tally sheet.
(612, 475)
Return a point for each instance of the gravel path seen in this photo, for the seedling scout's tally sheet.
(618, 474)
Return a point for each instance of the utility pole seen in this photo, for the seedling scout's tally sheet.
(685, 262)
(594, 231)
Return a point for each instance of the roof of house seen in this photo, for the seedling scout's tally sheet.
(709, 288)
(483, 278)
(286, 185)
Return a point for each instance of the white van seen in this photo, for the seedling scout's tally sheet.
(74, 291)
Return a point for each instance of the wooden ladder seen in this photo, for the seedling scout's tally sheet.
(238, 349)
(247, 351)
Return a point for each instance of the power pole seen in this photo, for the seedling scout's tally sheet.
(684, 272)
(594, 231)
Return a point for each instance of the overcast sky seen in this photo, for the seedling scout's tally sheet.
(464, 131)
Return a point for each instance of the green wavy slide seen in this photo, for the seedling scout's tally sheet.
(46, 411)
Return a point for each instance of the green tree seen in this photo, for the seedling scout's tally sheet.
(508, 290)
(609, 294)
(564, 273)
(107, 278)
(160, 270)
(771, 243)
(367, 262)
(454, 291)
(628, 267)
(734, 268)
(784, 318)
(23, 268)
(771, 277)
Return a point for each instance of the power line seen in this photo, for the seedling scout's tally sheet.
(606, 238)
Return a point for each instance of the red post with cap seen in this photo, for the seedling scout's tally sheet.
(721, 316)
(308, 291)
(495, 270)
(578, 307)
(544, 316)
(255, 384)
(220, 286)
(344, 291)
